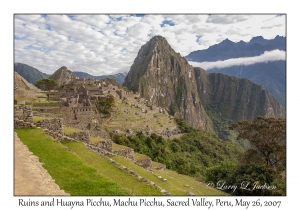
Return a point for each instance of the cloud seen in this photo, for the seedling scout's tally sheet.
(227, 19)
(104, 44)
(268, 56)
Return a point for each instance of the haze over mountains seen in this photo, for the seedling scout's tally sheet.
(270, 74)
(205, 100)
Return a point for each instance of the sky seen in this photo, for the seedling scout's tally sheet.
(101, 44)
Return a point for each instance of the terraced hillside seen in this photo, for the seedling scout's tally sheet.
(80, 171)
(135, 116)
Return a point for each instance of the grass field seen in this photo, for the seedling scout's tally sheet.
(80, 171)
(123, 179)
(68, 170)
(70, 130)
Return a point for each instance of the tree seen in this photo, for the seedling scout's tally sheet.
(104, 106)
(267, 136)
(46, 85)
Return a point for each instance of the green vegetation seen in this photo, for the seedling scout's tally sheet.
(263, 164)
(95, 140)
(104, 106)
(116, 147)
(39, 118)
(124, 180)
(70, 130)
(190, 155)
(69, 171)
(47, 85)
(176, 184)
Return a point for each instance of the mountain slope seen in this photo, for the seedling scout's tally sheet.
(271, 75)
(29, 73)
(166, 79)
(228, 49)
(62, 75)
(207, 101)
(118, 77)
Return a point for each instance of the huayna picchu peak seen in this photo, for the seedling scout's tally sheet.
(207, 101)
(62, 75)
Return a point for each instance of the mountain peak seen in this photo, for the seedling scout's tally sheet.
(62, 75)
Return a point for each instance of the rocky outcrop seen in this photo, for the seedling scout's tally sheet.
(165, 79)
(62, 76)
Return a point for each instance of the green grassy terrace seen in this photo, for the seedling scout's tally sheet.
(70, 130)
(69, 171)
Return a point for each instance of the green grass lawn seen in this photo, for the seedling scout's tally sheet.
(70, 130)
(96, 139)
(68, 170)
(123, 179)
(138, 156)
(116, 147)
(39, 118)
(176, 184)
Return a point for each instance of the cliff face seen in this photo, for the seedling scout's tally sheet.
(62, 75)
(166, 79)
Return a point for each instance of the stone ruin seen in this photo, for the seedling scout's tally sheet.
(23, 117)
(79, 104)
(146, 163)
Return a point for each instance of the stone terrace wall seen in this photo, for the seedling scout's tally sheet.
(145, 163)
(99, 150)
(161, 167)
(106, 145)
(53, 125)
(80, 136)
(127, 153)
(23, 117)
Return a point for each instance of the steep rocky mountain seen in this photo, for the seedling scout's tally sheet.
(228, 49)
(166, 79)
(21, 83)
(62, 75)
(29, 73)
(118, 77)
(208, 101)
(271, 75)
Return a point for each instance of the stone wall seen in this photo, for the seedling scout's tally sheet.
(106, 145)
(23, 117)
(53, 125)
(160, 167)
(127, 153)
(80, 136)
(99, 150)
(146, 163)
(44, 105)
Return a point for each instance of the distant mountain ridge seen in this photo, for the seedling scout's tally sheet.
(32, 75)
(119, 77)
(207, 101)
(228, 49)
(271, 75)
(29, 73)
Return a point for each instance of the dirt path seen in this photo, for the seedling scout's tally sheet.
(30, 178)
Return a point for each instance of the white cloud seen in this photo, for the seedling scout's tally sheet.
(268, 56)
(227, 19)
(104, 44)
